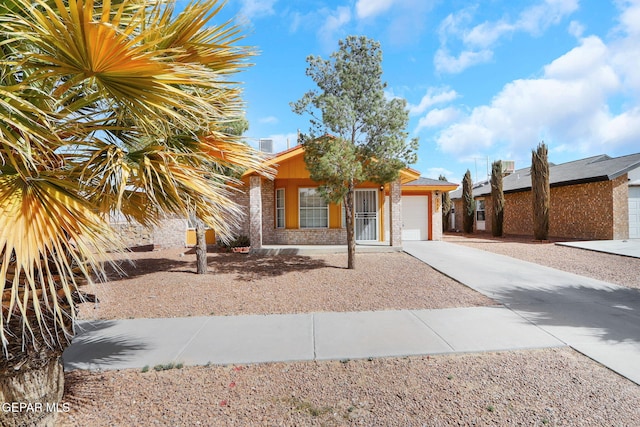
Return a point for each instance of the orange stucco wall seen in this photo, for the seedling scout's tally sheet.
(293, 175)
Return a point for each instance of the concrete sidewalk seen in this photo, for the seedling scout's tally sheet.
(596, 318)
(137, 343)
(627, 247)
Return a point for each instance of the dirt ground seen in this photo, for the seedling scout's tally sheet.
(535, 387)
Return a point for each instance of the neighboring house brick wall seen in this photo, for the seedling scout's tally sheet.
(582, 211)
(171, 233)
(620, 190)
(595, 210)
(518, 218)
(241, 197)
(134, 234)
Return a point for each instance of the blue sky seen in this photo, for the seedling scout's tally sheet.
(485, 80)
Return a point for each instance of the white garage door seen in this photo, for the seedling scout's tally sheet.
(415, 218)
(634, 212)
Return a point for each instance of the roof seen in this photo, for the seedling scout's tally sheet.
(590, 169)
(430, 184)
(406, 174)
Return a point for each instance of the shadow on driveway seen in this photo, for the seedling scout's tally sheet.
(611, 314)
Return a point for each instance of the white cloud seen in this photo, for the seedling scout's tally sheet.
(333, 25)
(371, 8)
(434, 173)
(257, 8)
(432, 97)
(568, 106)
(538, 18)
(576, 29)
(630, 17)
(478, 41)
(486, 34)
(438, 117)
(445, 62)
(268, 120)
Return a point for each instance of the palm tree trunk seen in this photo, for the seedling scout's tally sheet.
(31, 382)
(201, 248)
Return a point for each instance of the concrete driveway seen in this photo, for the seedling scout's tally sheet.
(596, 318)
(626, 247)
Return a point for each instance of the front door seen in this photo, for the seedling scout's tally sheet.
(366, 215)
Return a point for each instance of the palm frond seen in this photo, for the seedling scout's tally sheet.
(50, 243)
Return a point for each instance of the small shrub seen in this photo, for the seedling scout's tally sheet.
(168, 366)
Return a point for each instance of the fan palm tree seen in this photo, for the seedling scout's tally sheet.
(113, 106)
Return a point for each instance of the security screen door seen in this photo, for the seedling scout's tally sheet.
(366, 215)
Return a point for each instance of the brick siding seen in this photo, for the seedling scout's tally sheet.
(134, 234)
(595, 210)
(170, 234)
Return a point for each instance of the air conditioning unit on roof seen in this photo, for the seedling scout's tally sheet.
(508, 167)
(265, 145)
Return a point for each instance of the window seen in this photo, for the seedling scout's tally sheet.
(480, 210)
(314, 211)
(280, 208)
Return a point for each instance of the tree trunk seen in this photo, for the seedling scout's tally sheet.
(201, 248)
(31, 390)
(351, 237)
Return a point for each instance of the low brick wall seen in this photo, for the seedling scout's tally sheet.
(331, 236)
(172, 233)
(134, 235)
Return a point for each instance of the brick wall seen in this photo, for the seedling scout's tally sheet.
(326, 236)
(170, 234)
(620, 190)
(134, 235)
(518, 218)
(268, 212)
(241, 197)
(594, 210)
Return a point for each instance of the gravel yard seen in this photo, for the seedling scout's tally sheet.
(164, 284)
(535, 387)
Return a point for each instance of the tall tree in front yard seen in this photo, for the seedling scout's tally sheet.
(356, 134)
(497, 199)
(540, 192)
(468, 203)
(105, 107)
(446, 206)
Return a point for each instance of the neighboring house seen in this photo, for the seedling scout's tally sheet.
(593, 198)
(288, 210)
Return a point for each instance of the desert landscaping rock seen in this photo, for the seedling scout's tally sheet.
(529, 387)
